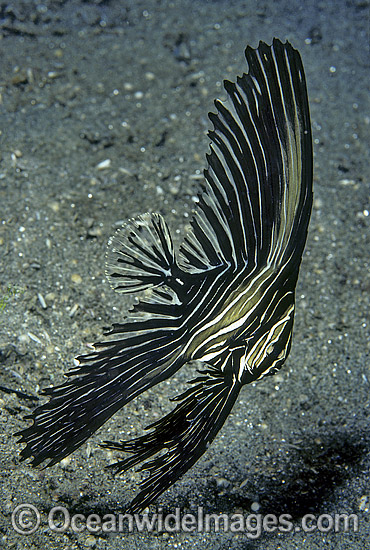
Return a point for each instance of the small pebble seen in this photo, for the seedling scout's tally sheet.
(90, 541)
(76, 278)
(23, 339)
(104, 164)
(244, 483)
(318, 204)
(255, 506)
(125, 171)
(74, 308)
(54, 206)
(42, 301)
(222, 483)
(364, 503)
(65, 462)
(34, 338)
(88, 450)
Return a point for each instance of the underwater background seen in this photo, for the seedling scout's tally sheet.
(103, 116)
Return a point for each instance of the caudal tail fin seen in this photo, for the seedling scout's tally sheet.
(140, 255)
(184, 434)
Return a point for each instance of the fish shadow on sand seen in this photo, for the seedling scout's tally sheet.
(312, 475)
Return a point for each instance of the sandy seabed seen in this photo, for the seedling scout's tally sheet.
(104, 116)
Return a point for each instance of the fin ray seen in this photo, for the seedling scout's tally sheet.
(259, 175)
(145, 351)
(184, 434)
(140, 255)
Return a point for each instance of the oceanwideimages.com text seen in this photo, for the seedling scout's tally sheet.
(26, 519)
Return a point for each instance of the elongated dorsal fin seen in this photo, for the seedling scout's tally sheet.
(256, 201)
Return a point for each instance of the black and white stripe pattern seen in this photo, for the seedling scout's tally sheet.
(226, 299)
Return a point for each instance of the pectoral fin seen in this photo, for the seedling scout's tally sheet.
(140, 255)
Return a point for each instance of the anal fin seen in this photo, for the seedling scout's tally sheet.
(180, 438)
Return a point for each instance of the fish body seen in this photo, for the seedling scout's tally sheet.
(224, 299)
